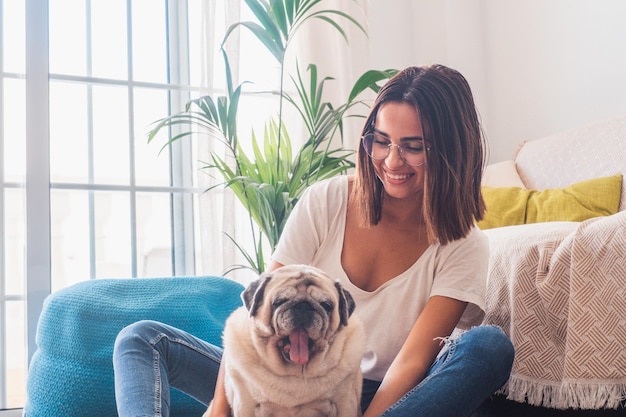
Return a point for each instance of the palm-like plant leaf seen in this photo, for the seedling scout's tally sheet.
(270, 195)
(217, 117)
(369, 80)
(280, 19)
(256, 261)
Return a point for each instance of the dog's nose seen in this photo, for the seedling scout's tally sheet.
(302, 313)
(303, 306)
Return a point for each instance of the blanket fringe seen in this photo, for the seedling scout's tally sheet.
(574, 395)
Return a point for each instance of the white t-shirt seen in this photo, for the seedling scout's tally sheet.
(314, 235)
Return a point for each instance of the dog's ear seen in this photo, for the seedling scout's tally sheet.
(346, 304)
(252, 296)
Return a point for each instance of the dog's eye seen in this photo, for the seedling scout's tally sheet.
(279, 302)
(327, 305)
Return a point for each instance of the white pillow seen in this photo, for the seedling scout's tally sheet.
(502, 174)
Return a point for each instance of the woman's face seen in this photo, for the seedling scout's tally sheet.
(399, 124)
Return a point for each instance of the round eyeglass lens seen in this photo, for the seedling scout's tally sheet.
(378, 147)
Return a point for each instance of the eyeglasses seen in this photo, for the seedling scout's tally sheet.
(378, 147)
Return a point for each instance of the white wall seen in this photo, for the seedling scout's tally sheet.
(535, 66)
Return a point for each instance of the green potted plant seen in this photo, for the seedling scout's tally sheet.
(269, 181)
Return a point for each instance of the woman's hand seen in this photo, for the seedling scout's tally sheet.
(219, 406)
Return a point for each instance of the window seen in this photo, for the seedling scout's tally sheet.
(82, 193)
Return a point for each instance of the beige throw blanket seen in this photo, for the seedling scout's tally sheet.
(559, 291)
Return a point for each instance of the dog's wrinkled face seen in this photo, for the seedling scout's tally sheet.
(299, 308)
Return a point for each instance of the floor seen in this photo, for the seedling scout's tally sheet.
(501, 407)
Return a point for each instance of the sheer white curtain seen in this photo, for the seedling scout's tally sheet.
(216, 208)
(220, 213)
(321, 44)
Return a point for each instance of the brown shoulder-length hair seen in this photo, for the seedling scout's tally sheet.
(454, 163)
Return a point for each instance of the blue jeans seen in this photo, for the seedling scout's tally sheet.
(470, 369)
(150, 357)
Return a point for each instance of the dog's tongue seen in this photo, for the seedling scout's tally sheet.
(299, 351)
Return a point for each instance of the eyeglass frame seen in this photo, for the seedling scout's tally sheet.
(401, 150)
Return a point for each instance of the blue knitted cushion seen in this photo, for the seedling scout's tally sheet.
(71, 373)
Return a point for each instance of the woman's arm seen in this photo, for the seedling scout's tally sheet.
(219, 405)
(275, 265)
(438, 319)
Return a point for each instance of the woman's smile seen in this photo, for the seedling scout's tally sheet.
(396, 177)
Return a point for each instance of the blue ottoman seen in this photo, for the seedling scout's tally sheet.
(71, 373)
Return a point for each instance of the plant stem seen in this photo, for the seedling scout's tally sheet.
(280, 111)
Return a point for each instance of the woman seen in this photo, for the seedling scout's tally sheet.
(400, 235)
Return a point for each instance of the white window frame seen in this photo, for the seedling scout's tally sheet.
(37, 183)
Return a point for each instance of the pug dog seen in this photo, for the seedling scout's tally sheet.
(294, 348)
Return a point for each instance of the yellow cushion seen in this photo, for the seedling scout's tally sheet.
(507, 206)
